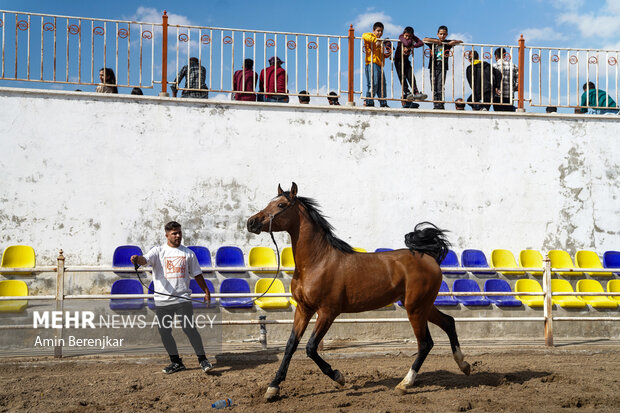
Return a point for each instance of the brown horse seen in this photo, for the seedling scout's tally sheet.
(330, 278)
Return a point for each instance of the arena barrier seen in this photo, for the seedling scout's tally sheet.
(547, 317)
(59, 49)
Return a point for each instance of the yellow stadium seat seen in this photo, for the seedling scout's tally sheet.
(358, 249)
(589, 259)
(270, 302)
(593, 286)
(262, 257)
(18, 256)
(529, 286)
(566, 301)
(561, 259)
(504, 259)
(13, 288)
(613, 286)
(531, 259)
(286, 259)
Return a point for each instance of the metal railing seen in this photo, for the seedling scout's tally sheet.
(70, 50)
(547, 293)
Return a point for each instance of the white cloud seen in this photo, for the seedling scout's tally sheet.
(152, 15)
(602, 23)
(544, 33)
(567, 4)
(363, 24)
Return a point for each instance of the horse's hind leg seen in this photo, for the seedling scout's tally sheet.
(425, 344)
(299, 326)
(323, 323)
(446, 323)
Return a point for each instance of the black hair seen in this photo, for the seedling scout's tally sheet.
(136, 91)
(377, 24)
(248, 64)
(333, 98)
(442, 28)
(500, 52)
(475, 55)
(108, 73)
(588, 86)
(194, 60)
(172, 225)
(409, 30)
(551, 109)
(459, 103)
(304, 97)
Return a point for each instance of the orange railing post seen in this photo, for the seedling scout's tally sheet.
(164, 55)
(351, 65)
(521, 74)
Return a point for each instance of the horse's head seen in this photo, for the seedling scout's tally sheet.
(277, 214)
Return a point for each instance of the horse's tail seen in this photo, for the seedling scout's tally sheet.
(426, 238)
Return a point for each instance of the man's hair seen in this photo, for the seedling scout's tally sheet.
(458, 103)
(248, 64)
(409, 30)
(193, 60)
(589, 85)
(500, 52)
(377, 24)
(442, 28)
(475, 55)
(304, 96)
(172, 225)
(551, 109)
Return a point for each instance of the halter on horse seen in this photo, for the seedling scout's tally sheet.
(330, 278)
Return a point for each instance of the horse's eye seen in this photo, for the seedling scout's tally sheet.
(281, 205)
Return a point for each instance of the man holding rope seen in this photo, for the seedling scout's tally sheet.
(174, 265)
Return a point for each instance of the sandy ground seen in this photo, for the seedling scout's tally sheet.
(512, 378)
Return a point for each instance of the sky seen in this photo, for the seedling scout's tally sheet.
(557, 23)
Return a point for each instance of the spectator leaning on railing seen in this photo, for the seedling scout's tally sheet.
(596, 97)
(273, 79)
(438, 63)
(194, 76)
(510, 81)
(376, 51)
(407, 41)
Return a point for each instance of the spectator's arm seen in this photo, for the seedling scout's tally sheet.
(404, 41)
(431, 40)
(454, 42)
(369, 37)
(418, 42)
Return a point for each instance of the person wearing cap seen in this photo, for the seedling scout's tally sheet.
(272, 81)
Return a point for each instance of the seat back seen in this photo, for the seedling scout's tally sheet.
(122, 255)
(203, 255)
(193, 285)
(287, 260)
(611, 259)
(561, 259)
(465, 285)
(358, 249)
(590, 259)
(528, 286)
(589, 286)
(613, 286)
(262, 257)
(531, 259)
(497, 286)
(475, 258)
(451, 260)
(229, 256)
(443, 288)
(384, 249)
(127, 286)
(234, 285)
(13, 288)
(18, 256)
(501, 258)
(262, 285)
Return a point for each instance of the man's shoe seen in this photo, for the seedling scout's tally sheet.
(419, 96)
(174, 367)
(409, 96)
(205, 366)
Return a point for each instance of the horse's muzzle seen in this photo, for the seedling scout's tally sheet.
(254, 225)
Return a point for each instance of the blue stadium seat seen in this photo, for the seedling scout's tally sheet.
(193, 285)
(611, 259)
(383, 249)
(203, 255)
(469, 286)
(122, 258)
(476, 258)
(445, 300)
(235, 285)
(451, 260)
(127, 286)
(228, 256)
(501, 286)
(150, 303)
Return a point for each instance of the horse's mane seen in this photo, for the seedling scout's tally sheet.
(312, 207)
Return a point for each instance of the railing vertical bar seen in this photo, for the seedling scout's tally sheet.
(578, 101)
(92, 51)
(200, 57)
(80, 51)
(189, 33)
(559, 77)
(462, 70)
(116, 54)
(60, 297)
(242, 67)
(254, 46)
(339, 67)
(211, 57)
(221, 59)
(28, 49)
(598, 84)
(307, 64)
(606, 79)
(549, 80)
(587, 76)
(328, 65)
(55, 31)
(548, 303)
(105, 46)
(351, 67)
(128, 54)
(530, 75)
(539, 76)
(152, 54)
(164, 55)
(232, 59)
(275, 71)
(41, 76)
(3, 37)
(296, 62)
(140, 69)
(362, 63)
(67, 51)
(16, 43)
(318, 62)
(568, 78)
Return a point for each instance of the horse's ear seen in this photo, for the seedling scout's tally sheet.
(280, 191)
(293, 190)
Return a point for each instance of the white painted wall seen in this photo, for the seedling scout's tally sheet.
(86, 173)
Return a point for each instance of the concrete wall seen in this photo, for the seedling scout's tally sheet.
(86, 172)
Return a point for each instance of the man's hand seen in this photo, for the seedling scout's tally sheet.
(455, 42)
(138, 259)
(207, 297)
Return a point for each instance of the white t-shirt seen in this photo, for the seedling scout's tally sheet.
(173, 269)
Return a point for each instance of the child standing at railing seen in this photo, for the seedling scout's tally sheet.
(375, 58)
(407, 42)
(438, 63)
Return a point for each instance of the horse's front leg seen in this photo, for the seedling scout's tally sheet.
(323, 323)
(302, 317)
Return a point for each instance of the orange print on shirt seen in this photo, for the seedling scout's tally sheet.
(175, 267)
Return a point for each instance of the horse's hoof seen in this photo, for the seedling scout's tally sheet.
(466, 368)
(272, 393)
(339, 377)
(400, 390)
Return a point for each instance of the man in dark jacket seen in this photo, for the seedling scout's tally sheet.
(485, 82)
